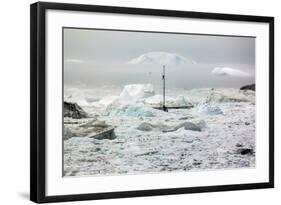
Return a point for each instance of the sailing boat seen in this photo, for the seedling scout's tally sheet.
(164, 107)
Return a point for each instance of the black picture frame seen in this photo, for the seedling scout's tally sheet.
(38, 101)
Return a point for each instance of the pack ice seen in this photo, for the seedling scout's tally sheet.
(218, 132)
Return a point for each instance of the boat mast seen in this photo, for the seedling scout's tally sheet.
(163, 78)
(163, 106)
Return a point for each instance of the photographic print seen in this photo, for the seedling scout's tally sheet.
(133, 102)
(137, 102)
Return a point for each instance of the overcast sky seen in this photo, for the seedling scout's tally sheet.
(94, 58)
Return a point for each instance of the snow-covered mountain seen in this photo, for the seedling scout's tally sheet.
(158, 57)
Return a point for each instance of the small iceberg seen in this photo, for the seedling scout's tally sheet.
(130, 110)
(207, 109)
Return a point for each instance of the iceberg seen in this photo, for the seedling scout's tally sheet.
(230, 95)
(105, 102)
(226, 71)
(80, 96)
(135, 92)
(130, 110)
(131, 94)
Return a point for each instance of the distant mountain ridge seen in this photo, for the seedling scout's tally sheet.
(249, 87)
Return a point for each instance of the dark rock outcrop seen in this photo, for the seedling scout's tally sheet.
(94, 129)
(249, 87)
(106, 134)
(245, 151)
(73, 110)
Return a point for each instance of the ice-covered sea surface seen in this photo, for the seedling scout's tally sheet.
(216, 132)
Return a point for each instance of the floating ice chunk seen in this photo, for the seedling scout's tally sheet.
(180, 101)
(230, 95)
(208, 109)
(138, 111)
(157, 100)
(135, 92)
(130, 110)
(194, 126)
(145, 126)
(202, 124)
(189, 126)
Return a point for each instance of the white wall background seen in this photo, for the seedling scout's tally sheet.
(14, 100)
